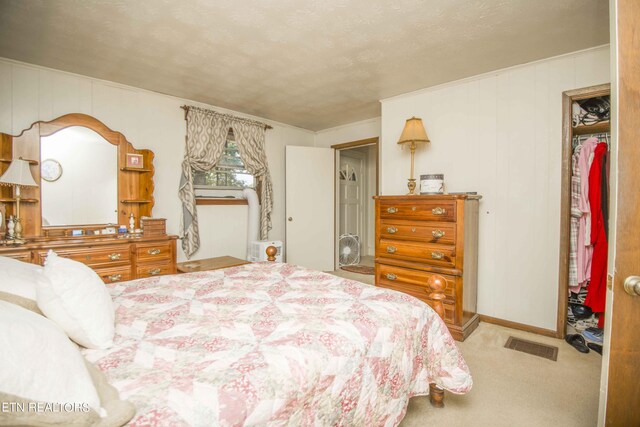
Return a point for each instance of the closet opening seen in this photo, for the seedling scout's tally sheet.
(584, 220)
(356, 172)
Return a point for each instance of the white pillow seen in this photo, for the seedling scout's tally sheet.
(38, 362)
(18, 277)
(75, 298)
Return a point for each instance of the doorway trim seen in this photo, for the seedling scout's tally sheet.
(565, 195)
(358, 143)
(336, 208)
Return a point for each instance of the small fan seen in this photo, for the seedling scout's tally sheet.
(349, 248)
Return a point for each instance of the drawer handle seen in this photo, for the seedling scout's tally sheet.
(114, 257)
(391, 276)
(153, 251)
(391, 249)
(437, 233)
(392, 210)
(437, 255)
(392, 230)
(438, 211)
(114, 277)
(154, 271)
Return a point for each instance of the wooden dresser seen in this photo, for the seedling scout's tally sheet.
(423, 235)
(114, 259)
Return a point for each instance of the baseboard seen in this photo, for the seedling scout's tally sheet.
(519, 326)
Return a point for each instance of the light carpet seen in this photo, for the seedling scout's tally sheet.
(512, 388)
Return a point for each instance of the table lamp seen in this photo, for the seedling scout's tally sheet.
(413, 134)
(18, 175)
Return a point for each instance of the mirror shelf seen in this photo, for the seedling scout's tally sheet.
(13, 200)
(125, 169)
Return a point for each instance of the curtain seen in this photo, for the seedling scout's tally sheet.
(206, 137)
(250, 141)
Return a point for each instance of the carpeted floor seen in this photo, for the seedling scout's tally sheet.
(513, 388)
(517, 389)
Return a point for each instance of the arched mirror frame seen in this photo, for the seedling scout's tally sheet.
(135, 185)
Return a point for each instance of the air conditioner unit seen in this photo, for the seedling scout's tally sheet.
(259, 247)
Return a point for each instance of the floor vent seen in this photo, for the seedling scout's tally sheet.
(535, 348)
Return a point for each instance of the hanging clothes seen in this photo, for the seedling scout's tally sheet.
(585, 250)
(605, 192)
(596, 292)
(576, 213)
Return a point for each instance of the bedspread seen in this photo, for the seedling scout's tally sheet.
(274, 344)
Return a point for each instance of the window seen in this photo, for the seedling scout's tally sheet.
(348, 173)
(229, 173)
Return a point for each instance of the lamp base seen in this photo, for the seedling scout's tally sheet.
(411, 184)
(17, 238)
(17, 230)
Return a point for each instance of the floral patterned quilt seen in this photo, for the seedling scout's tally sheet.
(274, 345)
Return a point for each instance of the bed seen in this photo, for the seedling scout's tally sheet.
(274, 344)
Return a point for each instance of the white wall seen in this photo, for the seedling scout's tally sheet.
(346, 133)
(500, 134)
(148, 120)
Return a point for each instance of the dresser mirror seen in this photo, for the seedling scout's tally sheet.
(84, 179)
(79, 178)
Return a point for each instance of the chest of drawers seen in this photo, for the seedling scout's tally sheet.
(113, 259)
(418, 237)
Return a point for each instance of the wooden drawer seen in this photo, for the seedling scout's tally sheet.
(153, 251)
(154, 231)
(432, 232)
(423, 210)
(156, 269)
(103, 256)
(418, 292)
(116, 274)
(432, 254)
(20, 256)
(392, 276)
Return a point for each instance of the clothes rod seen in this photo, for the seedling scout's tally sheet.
(186, 108)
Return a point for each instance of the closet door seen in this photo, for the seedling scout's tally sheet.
(623, 387)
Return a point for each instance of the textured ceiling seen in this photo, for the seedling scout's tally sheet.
(312, 64)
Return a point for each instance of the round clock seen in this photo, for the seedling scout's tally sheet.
(50, 170)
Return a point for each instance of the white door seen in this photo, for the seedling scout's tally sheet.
(310, 207)
(351, 179)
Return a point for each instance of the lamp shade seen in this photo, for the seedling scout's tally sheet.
(413, 132)
(18, 174)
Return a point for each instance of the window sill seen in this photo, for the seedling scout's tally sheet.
(208, 201)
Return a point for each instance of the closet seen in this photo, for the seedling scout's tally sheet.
(585, 216)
